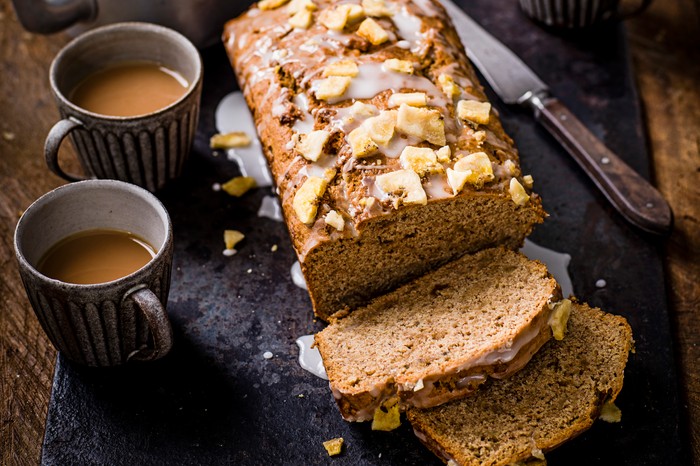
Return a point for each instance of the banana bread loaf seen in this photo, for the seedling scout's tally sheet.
(440, 336)
(387, 157)
(558, 395)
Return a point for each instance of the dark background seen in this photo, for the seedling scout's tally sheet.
(216, 400)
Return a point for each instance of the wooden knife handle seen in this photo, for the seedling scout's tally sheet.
(633, 196)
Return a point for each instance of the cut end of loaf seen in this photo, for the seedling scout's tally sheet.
(439, 337)
(558, 395)
(391, 250)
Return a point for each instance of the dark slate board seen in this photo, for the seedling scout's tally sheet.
(215, 400)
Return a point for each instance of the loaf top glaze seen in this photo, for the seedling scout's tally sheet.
(366, 108)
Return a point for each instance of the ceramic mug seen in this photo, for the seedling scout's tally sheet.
(146, 150)
(572, 14)
(103, 324)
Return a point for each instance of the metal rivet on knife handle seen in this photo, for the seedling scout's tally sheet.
(633, 196)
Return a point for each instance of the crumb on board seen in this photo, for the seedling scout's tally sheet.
(610, 412)
(238, 185)
(229, 140)
(232, 238)
(333, 446)
(273, 248)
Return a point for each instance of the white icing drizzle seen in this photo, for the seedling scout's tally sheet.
(270, 208)
(436, 187)
(297, 276)
(345, 120)
(305, 125)
(510, 350)
(310, 358)
(426, 7)
(557, 263)
(373, 79)
(409, 27)
(317, 168)
(397, 144)
(232, 114)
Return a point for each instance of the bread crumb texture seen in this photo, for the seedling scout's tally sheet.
(445, 331)
(556, 396)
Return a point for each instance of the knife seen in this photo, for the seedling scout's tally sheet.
(515, 83)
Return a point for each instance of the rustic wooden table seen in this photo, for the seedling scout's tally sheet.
(665, 43)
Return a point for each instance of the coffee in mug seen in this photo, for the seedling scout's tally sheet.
(95, 256)
(129, 89)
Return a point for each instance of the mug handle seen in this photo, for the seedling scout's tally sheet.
(158, 324)
(53, 141)
(634, 11)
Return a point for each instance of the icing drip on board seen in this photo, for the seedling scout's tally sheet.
(232, 114)
(309, 358)
(270, 208)
(557, 263)
(297, 276)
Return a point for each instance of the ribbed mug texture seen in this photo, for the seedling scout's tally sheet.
(147, 150)
(147, 154)
(100, 330)
(570, 13)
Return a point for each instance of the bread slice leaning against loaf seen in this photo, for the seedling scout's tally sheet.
(387, 157)
(558, 395)
(440, 336)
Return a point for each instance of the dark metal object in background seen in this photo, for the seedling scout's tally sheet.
(215, 400)
(201, 21)
(515, 83)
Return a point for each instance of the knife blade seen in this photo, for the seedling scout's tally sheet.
(515, 83)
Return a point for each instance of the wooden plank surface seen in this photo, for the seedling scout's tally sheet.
(666, 48)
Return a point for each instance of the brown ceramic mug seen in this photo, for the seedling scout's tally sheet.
(146, 150)
(109, 323)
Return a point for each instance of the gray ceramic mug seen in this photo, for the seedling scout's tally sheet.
(105, 324)
(146, 150)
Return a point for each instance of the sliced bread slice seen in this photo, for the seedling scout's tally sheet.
(558, 395)
(439, 337)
